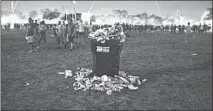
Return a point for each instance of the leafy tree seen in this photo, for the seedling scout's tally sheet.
(68, 16)
(120, 13)
(45, 13)
(209, 16)
(33, 14)
(50, 14)
(124, 13)
(143, 16)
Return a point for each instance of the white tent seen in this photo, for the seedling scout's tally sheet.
(53, 21)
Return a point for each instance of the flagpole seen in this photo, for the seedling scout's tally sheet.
(15, 4)
(90, 10)
(74, 10)
(13, 14)
(66, 15)
(158, 7)
(91, 7)
(12, 7)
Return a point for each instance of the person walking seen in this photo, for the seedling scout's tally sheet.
(30, 35)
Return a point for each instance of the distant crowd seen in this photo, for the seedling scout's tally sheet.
(128, 27)
(66, 34)
(167, 28)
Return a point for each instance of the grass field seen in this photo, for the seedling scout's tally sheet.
(176, 78)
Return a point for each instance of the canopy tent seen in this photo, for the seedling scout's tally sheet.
(12, 19)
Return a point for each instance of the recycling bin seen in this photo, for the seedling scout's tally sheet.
(106, 57)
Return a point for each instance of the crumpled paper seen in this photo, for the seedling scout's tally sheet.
(106, 34)
(67, 73)
(104, 83)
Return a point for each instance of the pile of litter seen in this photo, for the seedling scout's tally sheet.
(107, 34)
(103, 83)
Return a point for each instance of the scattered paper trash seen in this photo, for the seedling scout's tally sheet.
(104, 78)
(138, 81)
(84, 82)
(67, 73)
(109, 92)
(61, 73)
(131, 87)
(194, 54)
(27, 84)
(144, 80)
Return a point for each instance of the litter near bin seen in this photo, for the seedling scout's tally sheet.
(67, 73)
(108, 84)
(194, 54)
(106, 46)
(61, 72)
(109, 92)
(27, 84)
(107, 34)
(144, 80)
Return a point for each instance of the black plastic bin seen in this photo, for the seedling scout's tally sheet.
(106, 63)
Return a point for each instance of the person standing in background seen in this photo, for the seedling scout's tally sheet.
(81, 32)
(171, 28)
(54, 29)
(179, 29)
(59, 34)
(36, 25)
(64, 29)
(90, 27)
(200, 28)
(162, 28)
(174, 29)
(77, 32)
(188, 36)
(42, 29)
(183, 28)
(71, 34)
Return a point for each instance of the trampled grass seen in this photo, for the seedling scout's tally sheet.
(176, 78)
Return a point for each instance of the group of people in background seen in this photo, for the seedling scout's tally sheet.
(166, 28)
(128, 27)
(67, 34)
(35, 34)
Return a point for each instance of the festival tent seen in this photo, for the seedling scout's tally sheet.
(12, 19)
(52, 21)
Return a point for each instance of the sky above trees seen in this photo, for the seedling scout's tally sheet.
(192, 9)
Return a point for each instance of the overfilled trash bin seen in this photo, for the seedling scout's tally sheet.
(106, 57)
(106, 54)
